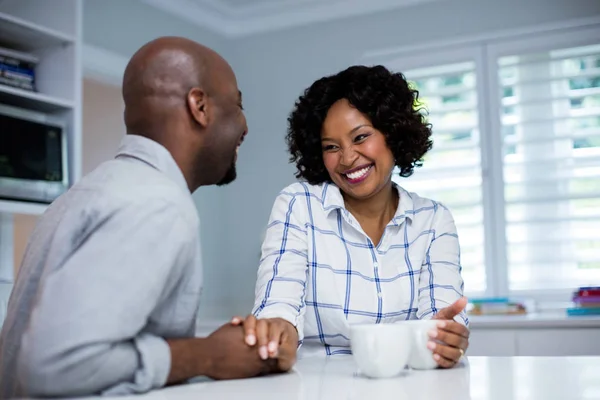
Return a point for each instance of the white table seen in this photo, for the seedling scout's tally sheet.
(499, 378)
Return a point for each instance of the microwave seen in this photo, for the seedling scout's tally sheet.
(33, 155)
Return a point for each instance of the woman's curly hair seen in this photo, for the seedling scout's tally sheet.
(384, 97)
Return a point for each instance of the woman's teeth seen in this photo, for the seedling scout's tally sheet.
(359, 174)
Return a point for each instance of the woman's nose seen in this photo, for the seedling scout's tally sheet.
(349, 156)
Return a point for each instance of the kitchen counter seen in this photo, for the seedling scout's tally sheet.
(500, 378)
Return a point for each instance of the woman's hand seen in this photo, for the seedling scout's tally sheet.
(274, 337)
(451, 340)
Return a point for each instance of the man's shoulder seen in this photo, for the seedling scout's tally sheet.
(113, 187)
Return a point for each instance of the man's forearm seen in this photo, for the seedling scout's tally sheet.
(190, 357)
(60, 365)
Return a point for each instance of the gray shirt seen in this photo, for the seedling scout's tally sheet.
(112, 269)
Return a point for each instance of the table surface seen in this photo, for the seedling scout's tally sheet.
(477, 378)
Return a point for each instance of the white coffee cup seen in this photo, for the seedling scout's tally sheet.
(420, 357)
(380, 350)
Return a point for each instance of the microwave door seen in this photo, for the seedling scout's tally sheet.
(32, 165)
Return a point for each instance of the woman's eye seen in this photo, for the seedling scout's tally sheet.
(329, 147)
(361, 137)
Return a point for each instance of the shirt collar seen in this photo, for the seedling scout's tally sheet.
(153, 154)
(332, 199)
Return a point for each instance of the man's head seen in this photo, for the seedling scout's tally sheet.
(185, 96)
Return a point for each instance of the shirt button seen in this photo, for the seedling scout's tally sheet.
(379, 294)
(375, 265)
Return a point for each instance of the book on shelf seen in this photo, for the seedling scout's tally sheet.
(495, 306)
(17, 69)
(586, 301)
(19, 84)
(578, 311)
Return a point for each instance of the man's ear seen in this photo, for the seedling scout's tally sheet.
(197, 102)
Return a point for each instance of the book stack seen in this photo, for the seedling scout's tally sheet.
(17, 69)
(495, 306)
(586, 301)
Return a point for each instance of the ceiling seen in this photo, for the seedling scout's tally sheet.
(237, 18)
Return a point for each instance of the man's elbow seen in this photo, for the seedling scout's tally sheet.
(38, 377)
(73, 373)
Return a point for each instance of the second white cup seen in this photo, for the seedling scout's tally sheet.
(381, 350)
(420, 356)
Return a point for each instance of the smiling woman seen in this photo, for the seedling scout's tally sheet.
(347, 245)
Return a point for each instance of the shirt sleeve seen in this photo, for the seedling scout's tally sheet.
(86, 332)
(281, 281)
(440, 280)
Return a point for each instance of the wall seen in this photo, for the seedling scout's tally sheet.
(274, 68)
(122, 26)
(103, 126)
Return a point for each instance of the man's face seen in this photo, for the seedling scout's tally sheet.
(231, 173)
(227, 130)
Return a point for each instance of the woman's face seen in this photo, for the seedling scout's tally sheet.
(355, 154)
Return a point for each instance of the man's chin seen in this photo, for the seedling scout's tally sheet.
(229, 177)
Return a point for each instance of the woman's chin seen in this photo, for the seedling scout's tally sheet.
(359, 192)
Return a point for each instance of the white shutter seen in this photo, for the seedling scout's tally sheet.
(451, 171)
(550, 119)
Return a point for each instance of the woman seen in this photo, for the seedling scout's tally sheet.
(347, 244)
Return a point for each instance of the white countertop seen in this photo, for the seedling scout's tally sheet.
(337, 377)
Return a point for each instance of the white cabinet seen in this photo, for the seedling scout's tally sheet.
(492, 342)
(559, 342)
(552, 334)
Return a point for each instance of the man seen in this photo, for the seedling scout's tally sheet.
(106, 297)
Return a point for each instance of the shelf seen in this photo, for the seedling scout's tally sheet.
(20, 207)
(32, 100)
(26, 36)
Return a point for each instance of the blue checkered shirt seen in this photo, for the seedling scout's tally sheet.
(321, 272)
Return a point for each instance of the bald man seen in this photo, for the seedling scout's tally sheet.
(106, 297)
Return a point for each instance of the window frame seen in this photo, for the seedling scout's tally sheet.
(485, 51)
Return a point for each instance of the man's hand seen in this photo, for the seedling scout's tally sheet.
(275, 338)
(231, 358)
(222, 355)
(452, 337)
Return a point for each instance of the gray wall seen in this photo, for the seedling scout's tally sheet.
(122, 26)
(274, 68)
